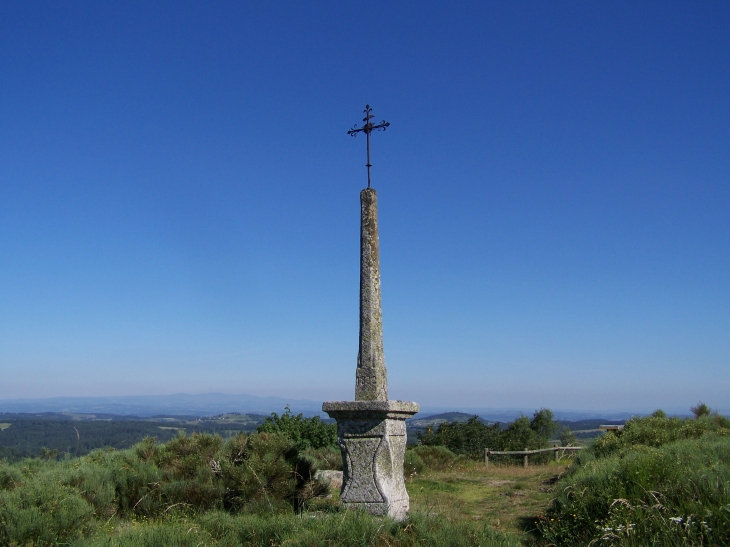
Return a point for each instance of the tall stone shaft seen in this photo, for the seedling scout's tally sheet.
(371, 430)
(371, 377)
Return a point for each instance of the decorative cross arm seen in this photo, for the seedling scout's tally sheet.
(367, 128)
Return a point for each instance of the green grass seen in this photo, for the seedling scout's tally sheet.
(4, 426)
(505, 498)
(346, 529)
(663, 481)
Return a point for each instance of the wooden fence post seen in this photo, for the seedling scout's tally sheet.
(556, 454)
(486, 458)
(526, 456)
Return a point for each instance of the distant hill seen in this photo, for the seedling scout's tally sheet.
(435, 419)
(449, 417)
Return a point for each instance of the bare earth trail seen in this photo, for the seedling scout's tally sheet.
(507, 498)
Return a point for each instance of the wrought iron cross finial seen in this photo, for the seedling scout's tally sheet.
(367, 129)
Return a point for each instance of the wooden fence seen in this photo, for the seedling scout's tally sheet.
(527, 453)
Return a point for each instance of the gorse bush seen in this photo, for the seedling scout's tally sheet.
(199, 491)
(43, 511)
(660, 481)
(48, 501)
(657, 430)
(10, 476)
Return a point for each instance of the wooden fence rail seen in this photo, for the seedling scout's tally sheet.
(527, 453)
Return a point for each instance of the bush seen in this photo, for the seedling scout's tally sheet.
(116, 482)
(656, 430)
(43, 500)
(43, 512)
(10, 477)
(328, 457)
(303, 432)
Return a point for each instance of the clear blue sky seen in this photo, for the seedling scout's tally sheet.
(179, 200)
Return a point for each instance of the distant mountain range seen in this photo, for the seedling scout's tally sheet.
(209, 404)
(179, 404)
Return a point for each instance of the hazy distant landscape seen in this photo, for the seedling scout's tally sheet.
(209, 404)
(76, 426)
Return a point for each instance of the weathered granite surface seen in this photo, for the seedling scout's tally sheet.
(371, 430)
(372, 438)
(399, 410)
(371, 382)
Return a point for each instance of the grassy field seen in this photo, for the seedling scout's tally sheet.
(507, 498)
(4, 426)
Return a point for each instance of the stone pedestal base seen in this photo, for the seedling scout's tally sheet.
(372, 437)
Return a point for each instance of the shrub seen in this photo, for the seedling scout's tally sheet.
(116, 482)
(42, 512)
(700, 409)
(329, 457)
(267, 469)
(303, 432)
(10, 476)
(45, 502)
(656, 430)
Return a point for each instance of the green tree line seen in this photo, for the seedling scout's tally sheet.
(472, 437)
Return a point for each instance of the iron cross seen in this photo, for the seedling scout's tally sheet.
(367, 129)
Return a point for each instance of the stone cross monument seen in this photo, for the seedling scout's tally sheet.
(372, 429)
